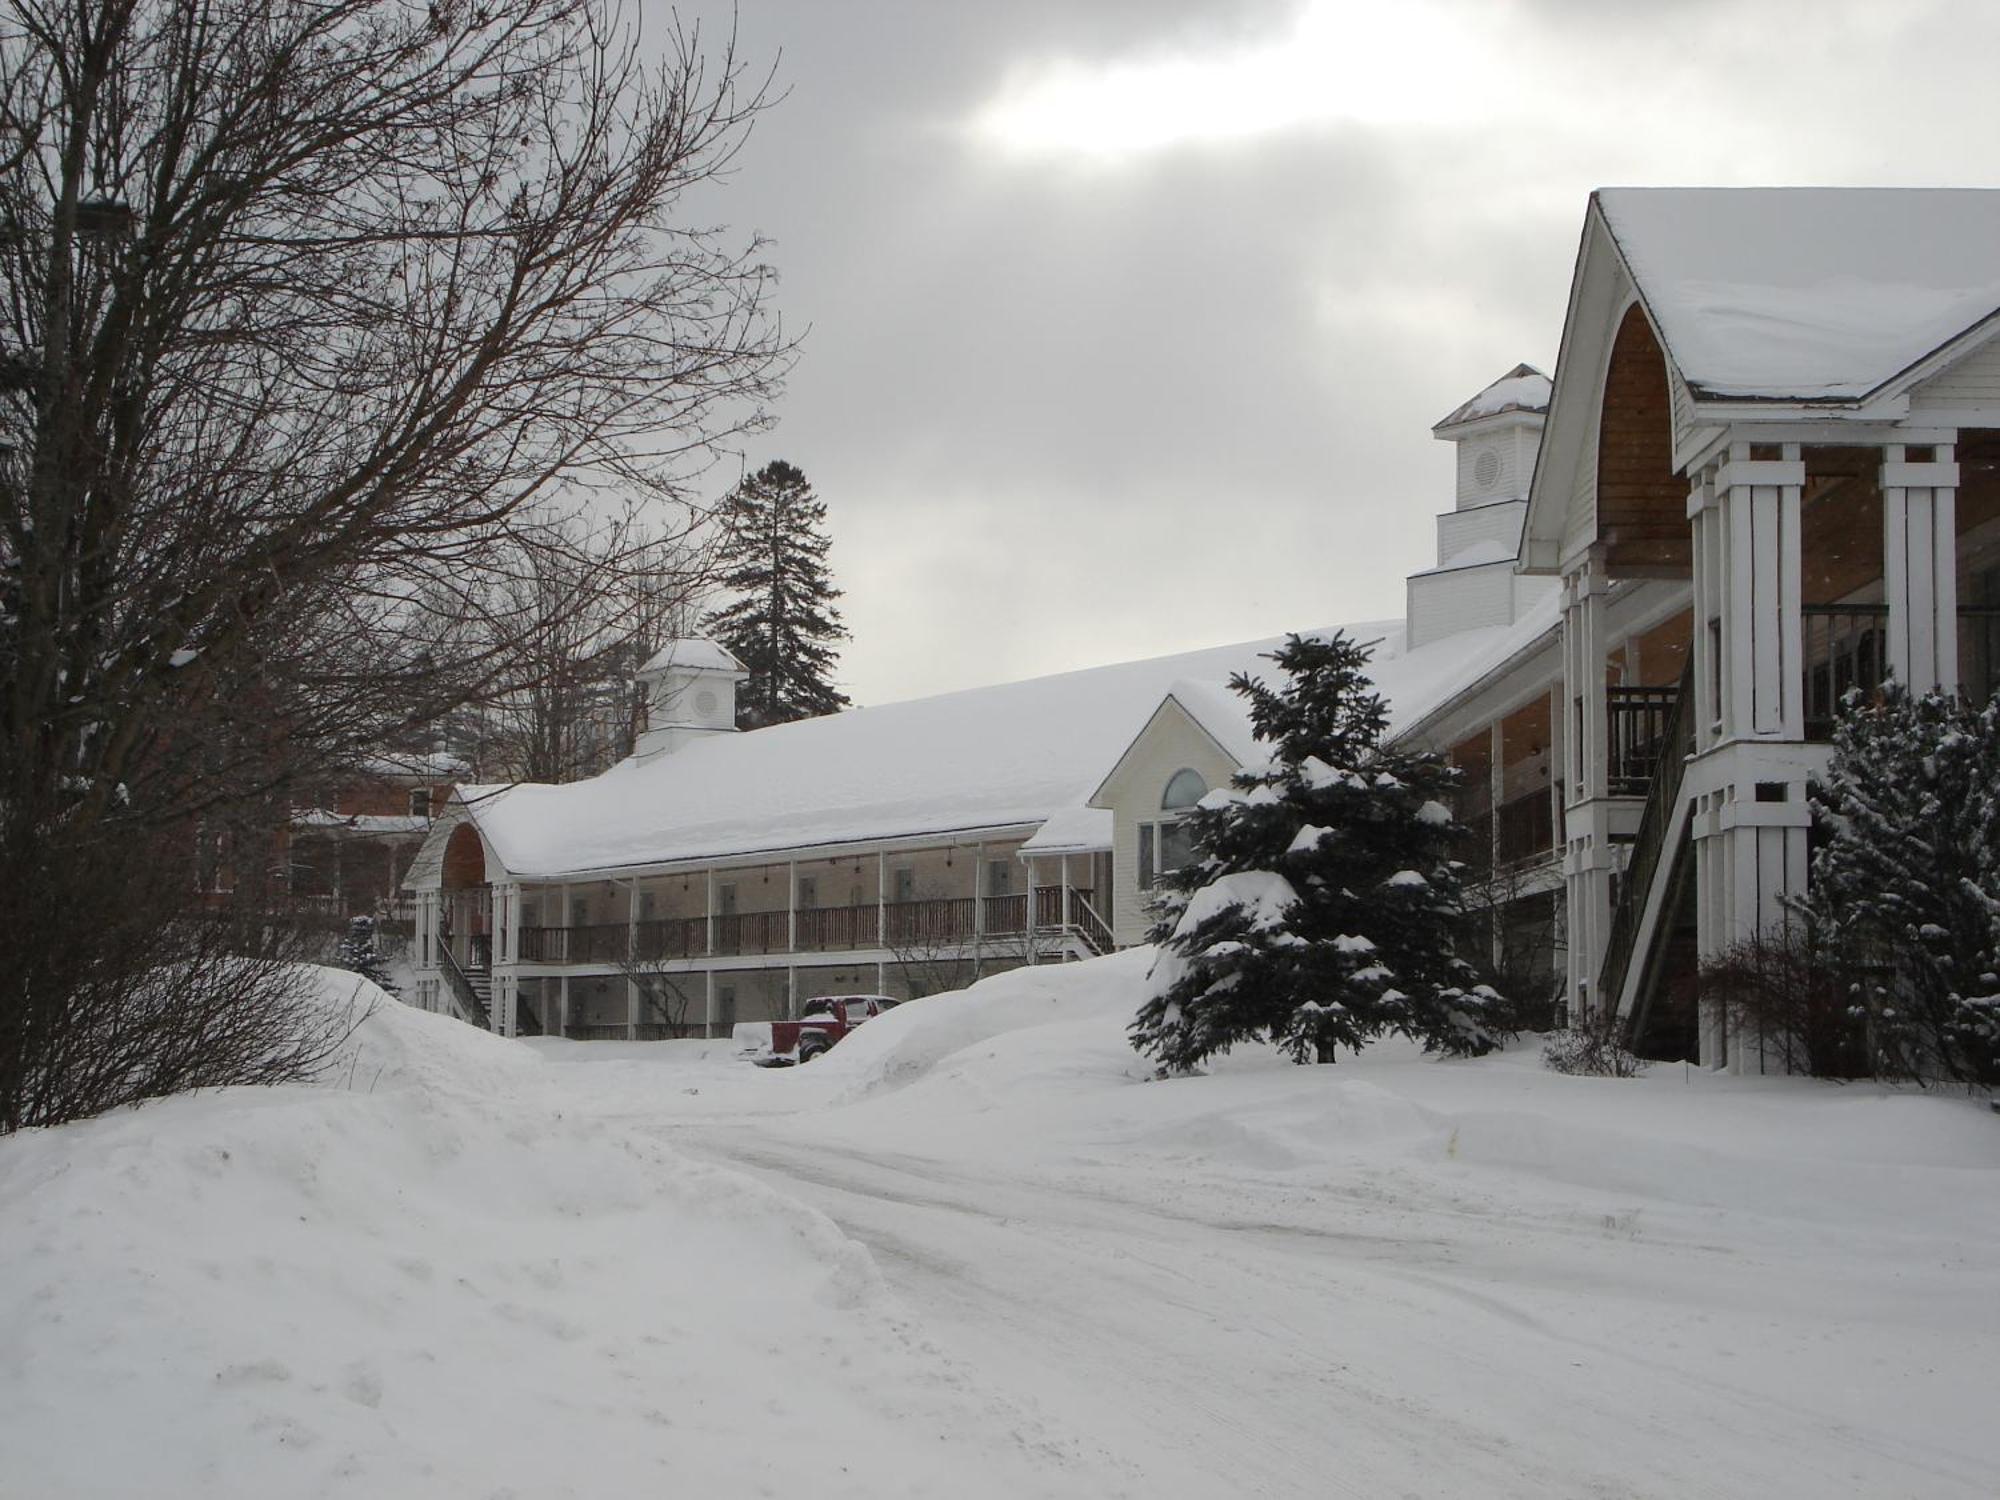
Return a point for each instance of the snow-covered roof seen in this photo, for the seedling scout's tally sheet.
(437, 765)
(1523, 388)
(989, 757)
(1007, 756)
(1807, 293)
(1073, 830)
(320, 819)
(694, 654)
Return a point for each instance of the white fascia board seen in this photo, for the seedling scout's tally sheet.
(1519, 416)
(1541, 504)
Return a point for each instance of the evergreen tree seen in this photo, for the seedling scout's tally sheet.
(359, 953)
(783, 622)
(1906, 881)
(1319, 906)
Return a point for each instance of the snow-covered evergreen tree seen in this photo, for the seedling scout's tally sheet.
(783, 622)
(1319, 906)
(359, 953)
(1906, 881)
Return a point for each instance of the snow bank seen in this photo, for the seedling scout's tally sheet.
(896, 1049)
(435, 1275)
(396, 1046)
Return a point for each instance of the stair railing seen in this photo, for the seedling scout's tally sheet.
(1662, 796)
(462, 990)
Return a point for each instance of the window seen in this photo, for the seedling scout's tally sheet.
(725, 899)
(999, 877)
(1164, 844)
(1184, 789)
(420, 802)
(725, 1005)
(808, 892)
(579, 912)
(905, 883)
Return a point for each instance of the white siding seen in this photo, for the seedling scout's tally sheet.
(1459, 529)
(1513, 449)
(1442, 604)
(1170, 741)
(1973, 382)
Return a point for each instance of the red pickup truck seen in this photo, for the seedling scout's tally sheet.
(823, 1020)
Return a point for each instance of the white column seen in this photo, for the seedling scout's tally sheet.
(708, 919)
(632, 953)
(1920, 566)
(1496, 791)
(881, 900)
(1762, 671)
(1704, 612)
(1589, 858)
(1750, 827)
(978, 910)
(792, 912)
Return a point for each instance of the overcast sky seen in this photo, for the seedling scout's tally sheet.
(1128, 319)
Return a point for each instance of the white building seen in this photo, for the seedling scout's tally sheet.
(1767, 471)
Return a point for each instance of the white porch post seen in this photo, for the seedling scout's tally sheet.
(1589, 857)
(1028, 922)
(792, 907)
(631, 953)
(881, 921)
(1920, 566)
(708, 1025)
(1749, 817)
(1496, 791)
(978, 910)
(506, 944)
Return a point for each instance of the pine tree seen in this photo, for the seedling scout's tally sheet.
(1906, 881)
(359, 953)
(1319, 907)
(783, 622)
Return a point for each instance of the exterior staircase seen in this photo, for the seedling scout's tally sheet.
(471, 989)
(1654, 876)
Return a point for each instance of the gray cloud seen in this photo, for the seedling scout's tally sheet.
(1066, 411)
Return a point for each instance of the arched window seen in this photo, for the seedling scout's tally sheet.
(1163, 843)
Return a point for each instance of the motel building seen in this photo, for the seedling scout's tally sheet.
(1766, 472)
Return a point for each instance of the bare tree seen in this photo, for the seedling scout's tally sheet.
(666, 998)
(584, 603)
(934, 952)
(300, 305)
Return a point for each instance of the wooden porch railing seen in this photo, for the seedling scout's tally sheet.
(926, 923)
(1845, 646)
(1637, 735)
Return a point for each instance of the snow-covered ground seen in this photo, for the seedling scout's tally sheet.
(972, 1252)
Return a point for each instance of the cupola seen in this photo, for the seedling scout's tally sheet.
(690, 688)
